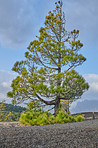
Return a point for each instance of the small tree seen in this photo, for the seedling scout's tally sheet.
(2, 111)
(5, 115)
(48, 73)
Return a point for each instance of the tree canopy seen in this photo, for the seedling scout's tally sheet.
(48, 73)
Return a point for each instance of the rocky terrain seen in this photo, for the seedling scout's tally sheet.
(70, 135)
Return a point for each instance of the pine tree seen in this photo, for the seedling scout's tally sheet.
(48, 73)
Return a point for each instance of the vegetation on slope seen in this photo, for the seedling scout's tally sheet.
(9, 112)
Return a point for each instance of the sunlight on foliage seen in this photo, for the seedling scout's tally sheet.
(33, 117)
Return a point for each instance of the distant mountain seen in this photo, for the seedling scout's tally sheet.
(14, 108)
(86, 106)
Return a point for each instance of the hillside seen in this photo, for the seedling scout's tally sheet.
(14, 108)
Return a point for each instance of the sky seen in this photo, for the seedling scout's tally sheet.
(20, 22)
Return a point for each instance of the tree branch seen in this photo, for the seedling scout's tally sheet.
(51, 57)
(46, 102)
(44, 64)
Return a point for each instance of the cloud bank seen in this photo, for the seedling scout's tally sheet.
(21, 20)
(91, 96)
(5, 82)
(83, 15)
(16, 21)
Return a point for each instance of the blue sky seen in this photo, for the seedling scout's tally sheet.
(20, 22)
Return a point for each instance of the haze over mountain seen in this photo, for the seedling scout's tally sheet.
(85, 106)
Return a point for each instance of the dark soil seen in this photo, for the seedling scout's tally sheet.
(70, 135)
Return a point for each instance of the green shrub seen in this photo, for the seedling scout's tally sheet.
(39, 117)
(66, 120)
(80, 118)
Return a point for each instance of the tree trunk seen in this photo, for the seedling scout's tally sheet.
(59, 69)
(57, 105)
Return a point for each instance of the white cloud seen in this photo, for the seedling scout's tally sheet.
(2, 96)
(92, 93)
(92, 79)
(94, 86)
(5, 82)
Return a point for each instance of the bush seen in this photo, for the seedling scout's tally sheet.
(80, 118)
(39, 117)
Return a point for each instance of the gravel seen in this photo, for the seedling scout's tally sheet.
(70, 135)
